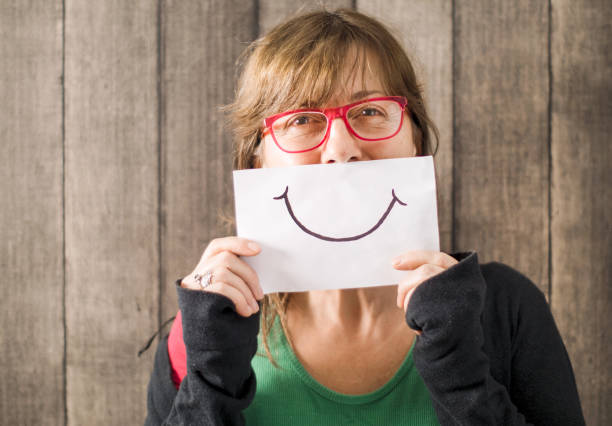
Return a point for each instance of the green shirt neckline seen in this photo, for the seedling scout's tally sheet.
(338, 397)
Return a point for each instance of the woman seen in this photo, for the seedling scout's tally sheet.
(453, 343)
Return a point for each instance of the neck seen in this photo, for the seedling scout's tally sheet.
(358, 314)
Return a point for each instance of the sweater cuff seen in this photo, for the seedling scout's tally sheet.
(211, 323)
(448, 354)
(450, 301)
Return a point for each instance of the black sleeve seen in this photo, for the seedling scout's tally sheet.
(220, 382)
(543, 384)
(450, 356)
(161, 391)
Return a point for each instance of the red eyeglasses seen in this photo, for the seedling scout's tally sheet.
(303, 130)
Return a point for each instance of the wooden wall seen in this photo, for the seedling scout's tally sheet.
(116, 165)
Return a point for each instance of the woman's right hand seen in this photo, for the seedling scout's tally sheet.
(231, 276)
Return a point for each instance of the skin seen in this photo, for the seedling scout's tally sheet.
(355, 320)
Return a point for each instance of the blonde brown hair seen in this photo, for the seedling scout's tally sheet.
(300, 63)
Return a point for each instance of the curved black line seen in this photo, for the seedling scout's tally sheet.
(323, 237)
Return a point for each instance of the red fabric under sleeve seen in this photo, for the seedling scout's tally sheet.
(176, 351)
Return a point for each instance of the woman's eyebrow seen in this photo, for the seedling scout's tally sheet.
(364, 93)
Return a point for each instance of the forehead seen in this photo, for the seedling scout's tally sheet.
(357, 82)
(359, 77)
(355, 75)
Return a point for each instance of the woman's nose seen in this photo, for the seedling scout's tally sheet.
(341, 146)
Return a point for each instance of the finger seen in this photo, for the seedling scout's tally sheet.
(226, 275)
(225, 289)
(247, 274)
(408, 296)
(406, 301)
(222, 282)
(415, 258)
(239, 267)
(412, 280)
(402, 292)
(236, 245)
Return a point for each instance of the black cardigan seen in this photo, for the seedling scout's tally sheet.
(489, 353)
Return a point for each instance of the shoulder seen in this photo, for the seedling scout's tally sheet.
(506, 283)
(514, 306)
(525, 348)
(502, 283)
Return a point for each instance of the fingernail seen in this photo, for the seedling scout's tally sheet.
(254, 306)
(396, 261)
(253, 246)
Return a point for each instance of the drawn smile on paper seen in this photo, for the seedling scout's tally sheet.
(285, 196)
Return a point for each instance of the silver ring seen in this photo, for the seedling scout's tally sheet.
(204, 280)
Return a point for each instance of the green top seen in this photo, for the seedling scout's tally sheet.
(291, 396)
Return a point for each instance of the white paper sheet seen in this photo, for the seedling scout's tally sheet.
(331, 226)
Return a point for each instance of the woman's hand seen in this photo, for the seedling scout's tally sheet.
(420, 266)
(230, 275)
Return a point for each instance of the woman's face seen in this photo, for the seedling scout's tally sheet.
(341, 146)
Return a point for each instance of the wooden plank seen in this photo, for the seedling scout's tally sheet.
(202, 41)
(501, 133)
(31, 233)
(273, 12)
(112, 287)
(581, 198)
(425, 29)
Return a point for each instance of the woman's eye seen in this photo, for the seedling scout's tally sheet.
(305, 121)
(300, 120)
(370, 112)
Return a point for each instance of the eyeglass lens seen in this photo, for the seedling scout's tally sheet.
(369, 120)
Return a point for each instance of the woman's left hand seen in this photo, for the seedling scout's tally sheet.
(420, 266)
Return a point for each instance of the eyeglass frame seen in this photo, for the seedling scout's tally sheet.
(333, 113)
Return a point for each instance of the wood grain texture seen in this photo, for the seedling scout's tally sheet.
(273, 12)
(501, 152)
(31, 231)
(111, 177)
(425, 29)
(581, 125)
(113, 185)
(201, 43)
